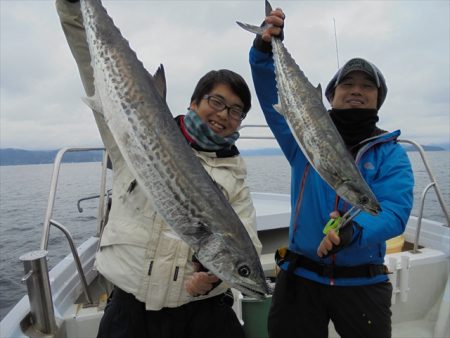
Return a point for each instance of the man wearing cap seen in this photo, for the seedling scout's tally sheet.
(325, 277)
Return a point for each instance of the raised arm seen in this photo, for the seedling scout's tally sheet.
(261, 62)
(72, 24)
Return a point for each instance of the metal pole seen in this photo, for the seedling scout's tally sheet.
(76, 259)
(419, 217)
(39, 292)
(52, 194)
(101, 202)
(432, 179)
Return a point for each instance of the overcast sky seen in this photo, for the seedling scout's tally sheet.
(40, 103)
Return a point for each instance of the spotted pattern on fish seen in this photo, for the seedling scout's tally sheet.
(160, 159)
(308, 119)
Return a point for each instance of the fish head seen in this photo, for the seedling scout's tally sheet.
(239, 266)
(369, 204)
(361, 197)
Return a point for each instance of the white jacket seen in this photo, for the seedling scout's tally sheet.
(139, 252)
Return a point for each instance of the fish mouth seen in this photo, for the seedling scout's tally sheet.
(375, 210)
(253, 292)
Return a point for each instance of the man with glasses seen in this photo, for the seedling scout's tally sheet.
(160, 289)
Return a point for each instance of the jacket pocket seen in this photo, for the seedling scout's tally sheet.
(166, 270)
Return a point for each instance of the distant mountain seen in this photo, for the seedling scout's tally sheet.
(277, 151)
(409, 147)
(9, 156)
(445, 146)
(261, 152)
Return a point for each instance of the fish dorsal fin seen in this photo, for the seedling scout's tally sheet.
(160, 81)
(319, 91)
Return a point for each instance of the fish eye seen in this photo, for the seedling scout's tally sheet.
(364, 200)
(244, 271)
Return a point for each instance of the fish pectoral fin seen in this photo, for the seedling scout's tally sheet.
(160, 82)
(94, 103)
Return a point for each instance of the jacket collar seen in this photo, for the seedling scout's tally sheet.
(372, 141)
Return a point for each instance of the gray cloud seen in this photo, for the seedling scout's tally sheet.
(40, 106)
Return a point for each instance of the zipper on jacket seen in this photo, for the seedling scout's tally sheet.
(150, 268)
(175, 275)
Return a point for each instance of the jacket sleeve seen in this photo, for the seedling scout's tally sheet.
(72, 25)
(393, 185)
(265, 86)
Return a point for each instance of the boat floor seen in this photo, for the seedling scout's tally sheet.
(82, 319)
(426, 292)
(412, 329)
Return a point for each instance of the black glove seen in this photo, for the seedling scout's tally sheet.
(264, 46)
(204, 269)
(345, 235)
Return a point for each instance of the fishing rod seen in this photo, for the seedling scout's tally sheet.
(336, 43)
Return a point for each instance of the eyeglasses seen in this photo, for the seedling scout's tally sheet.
(217, 104)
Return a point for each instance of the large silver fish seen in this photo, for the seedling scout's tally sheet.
(134, 107)
(301, 105)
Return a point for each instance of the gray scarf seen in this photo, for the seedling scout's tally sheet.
(204, 136)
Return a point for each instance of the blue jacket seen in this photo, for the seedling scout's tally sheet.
(383, 164)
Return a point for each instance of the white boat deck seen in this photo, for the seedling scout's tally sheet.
(273, 211)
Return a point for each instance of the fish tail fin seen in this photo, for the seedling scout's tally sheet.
(251, 28)
(268, 8)
(257, 29)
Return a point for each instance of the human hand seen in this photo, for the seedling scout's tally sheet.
(333, 242)
(200, 283)
(275, 22)
(327, 243)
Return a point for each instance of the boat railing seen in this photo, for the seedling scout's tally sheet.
(54, 184)
(80, 209)
(76, 258)
(433, 183)
(35, 262)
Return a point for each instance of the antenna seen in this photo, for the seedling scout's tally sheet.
(336, 42)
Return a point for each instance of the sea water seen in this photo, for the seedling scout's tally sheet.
(24, 193)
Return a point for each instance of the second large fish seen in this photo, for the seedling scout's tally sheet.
(301, 104)
(134, 107)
